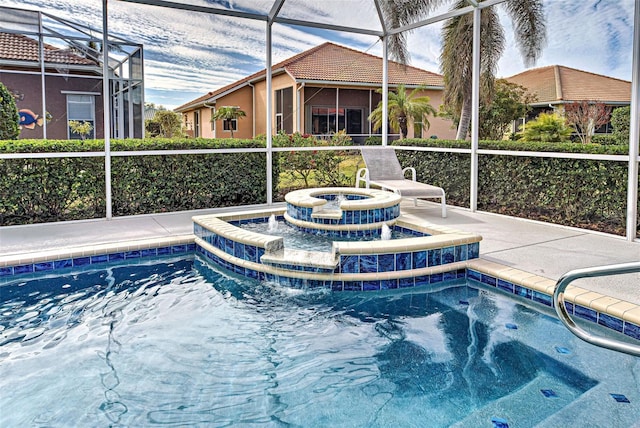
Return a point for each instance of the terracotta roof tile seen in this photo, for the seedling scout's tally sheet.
(18, 47)
(332, 63)
(559, 83)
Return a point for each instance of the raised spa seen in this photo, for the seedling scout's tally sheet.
(432, 254)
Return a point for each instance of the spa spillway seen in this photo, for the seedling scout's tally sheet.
(357, 260)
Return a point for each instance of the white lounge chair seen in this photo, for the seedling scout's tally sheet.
(383, 170)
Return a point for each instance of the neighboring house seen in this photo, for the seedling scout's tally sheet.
(56, 77)
(320, 91)
(556, 85)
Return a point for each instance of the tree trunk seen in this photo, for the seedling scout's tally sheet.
(465, 120)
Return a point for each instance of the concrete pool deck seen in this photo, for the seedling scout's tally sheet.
(538, 248)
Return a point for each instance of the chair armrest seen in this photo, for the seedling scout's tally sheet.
(362, 175)
(413, 172)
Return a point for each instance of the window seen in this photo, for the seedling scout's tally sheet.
(81, 108)
(323, 120)
(284, 110)
(230, 125)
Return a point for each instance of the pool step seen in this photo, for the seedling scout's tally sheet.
(313, 259)
(532, 405)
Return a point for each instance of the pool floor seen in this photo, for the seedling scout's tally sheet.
(176, 342)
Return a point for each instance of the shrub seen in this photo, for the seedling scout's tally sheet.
(621, 123)
(547, 127)
(9, 118)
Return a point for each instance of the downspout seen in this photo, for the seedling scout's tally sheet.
(253, 110)
(298, 115)
(337, 109)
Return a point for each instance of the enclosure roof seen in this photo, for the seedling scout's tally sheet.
(18, 47)
(559, 83)
(330, 63)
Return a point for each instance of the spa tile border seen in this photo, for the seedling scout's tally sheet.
(607, 311)
(52, 260)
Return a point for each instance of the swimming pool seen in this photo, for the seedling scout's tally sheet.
(176, 342)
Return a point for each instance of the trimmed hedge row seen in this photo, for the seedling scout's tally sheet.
(588, 194)
(59, 189)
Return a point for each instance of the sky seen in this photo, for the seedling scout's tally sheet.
(187, 54)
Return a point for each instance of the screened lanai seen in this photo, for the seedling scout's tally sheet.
(366, 17)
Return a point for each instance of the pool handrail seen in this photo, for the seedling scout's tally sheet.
(565, 318)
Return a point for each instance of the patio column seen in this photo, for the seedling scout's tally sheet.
(105, 107)
(475, 110)
(634, 131)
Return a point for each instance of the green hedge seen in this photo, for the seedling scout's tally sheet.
(58, 189)
(574, 192)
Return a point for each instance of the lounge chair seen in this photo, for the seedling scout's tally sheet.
(383, 170)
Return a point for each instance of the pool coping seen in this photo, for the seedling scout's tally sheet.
(586, 304)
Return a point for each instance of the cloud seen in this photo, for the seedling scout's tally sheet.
(188, 52)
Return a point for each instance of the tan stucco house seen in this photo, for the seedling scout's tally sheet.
(320, 91)
(557, 85)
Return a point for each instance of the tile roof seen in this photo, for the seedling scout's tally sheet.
(559, 83)
(332, 63)
(18, 47)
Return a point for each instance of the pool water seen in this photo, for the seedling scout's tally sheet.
(175, 342)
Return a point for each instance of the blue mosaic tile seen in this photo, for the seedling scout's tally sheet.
(403, 261)
(450, 276)
(238, 250)
(522, 291)
(149, 252)
(569, 307)
(179, 249)
(386, 262)
(388, 284)
(349, 264)
(422, 280)
(102, 258)
(191, 247)
(371, 285)
(448, 255)
(610, 322)
(620, 398)
(472, 274)
(43, 266)
(405, 283)
(419, 259)
(473, 251)
(434, 257)
(228, 246)
(135, 254)
(336, 285)
(250, 253)
(162, 251)
(81, 261)
(368, 263)
(114, 257)
(23, 269)
(505, 285)
(461, 273)
(488, 280)
(6, 271)
(585, 313)
(352, 286)
(631, 330)
(545, 299)
(435, 278)
(461, 252)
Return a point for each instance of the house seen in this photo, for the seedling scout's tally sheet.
(320, 91)
(56, 77)
(557, 85)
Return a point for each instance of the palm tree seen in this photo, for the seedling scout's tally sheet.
(456, 58)
(403, 107)
(228, 114)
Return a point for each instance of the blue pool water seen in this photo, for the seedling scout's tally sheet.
(174, 342)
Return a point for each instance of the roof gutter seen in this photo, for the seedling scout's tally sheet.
(363, 84)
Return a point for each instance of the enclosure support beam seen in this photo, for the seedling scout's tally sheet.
(268, 129)
(475, 103)
(106, 106)
(385, 90)
(634, 132)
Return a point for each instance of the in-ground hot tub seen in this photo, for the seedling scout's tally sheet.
(432, 254)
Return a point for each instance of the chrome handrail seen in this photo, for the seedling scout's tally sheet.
(563, 314)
